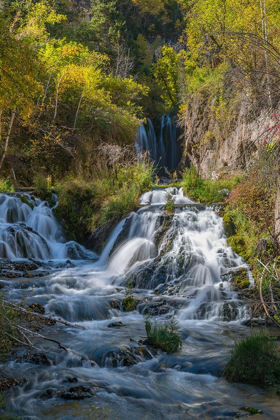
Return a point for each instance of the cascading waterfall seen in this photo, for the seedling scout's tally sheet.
(28, 229)
(176, 266)
(163, 146)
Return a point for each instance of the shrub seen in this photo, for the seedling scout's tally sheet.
(164, 336)
(206, 191)
(129, 304)
(8, 329)
(169, 206)
(85, 205)
(255, 360)
(6, 186)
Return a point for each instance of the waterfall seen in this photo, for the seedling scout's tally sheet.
(176, 266)
(29, 229)
(162, 145)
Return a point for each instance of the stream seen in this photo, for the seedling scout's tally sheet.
(178, 267)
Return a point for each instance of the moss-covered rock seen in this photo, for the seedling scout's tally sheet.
(25, 200)
(240, 279)
(129, 304)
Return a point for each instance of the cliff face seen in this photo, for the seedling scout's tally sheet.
(225, 143)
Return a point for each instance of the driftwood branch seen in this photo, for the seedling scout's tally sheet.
(263, 302)
(44, 317)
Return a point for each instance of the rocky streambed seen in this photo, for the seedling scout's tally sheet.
(175, 267)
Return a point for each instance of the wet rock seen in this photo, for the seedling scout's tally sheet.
(49, 393)
(238, 277)
(8, 382)
(115, 325)
(70, 380)
(128, 356)
(154, 308)
(230, 311)
(16, 269)
(34, 358)
(115, 304)
(77, 393)
(37, 307)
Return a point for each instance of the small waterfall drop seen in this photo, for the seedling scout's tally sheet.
(29, 229)
(163, 145)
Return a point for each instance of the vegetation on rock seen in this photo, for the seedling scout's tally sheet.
(129, 304)
(255, 360)
(164, 337)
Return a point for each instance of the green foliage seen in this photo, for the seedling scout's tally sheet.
(40, 184)
(6, 185)
(129, 304)
(8, 329)
(251, 410)
(166, 72)
(130, 184)
(206, 191)
(169, 206)
(244, 240)
(85, 205)
(163, 336)
(250, 215)
(255, 360)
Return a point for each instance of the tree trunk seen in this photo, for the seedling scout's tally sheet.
(10, 126)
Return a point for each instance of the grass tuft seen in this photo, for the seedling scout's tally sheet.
(164, 337)
(255, 360)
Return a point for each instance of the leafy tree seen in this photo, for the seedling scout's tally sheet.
(166, 72)
(18, 84)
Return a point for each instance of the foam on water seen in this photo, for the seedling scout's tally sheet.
(29, 229)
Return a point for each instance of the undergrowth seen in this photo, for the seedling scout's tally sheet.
(164, 336)
(206, 191)
(255, 360)
(6, 186)
(87, 204)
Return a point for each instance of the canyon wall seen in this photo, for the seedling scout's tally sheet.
(226, 143)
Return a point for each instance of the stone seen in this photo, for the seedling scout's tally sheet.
(37, 307)
(115, 325)
(115, 304)
(77, 393)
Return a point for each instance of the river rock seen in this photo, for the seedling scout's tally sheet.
(128, 356)
(115, 325)
(76, 393)
(34, 358)
(115, 304)
(37, 307)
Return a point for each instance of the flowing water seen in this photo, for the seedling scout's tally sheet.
(178, 267)
(163, 146)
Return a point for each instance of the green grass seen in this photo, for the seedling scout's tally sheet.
(6, 186)
(163, 336)
(255, 360)
(169, 206)
(206, 191)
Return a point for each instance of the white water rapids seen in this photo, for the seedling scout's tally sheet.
(178, 266)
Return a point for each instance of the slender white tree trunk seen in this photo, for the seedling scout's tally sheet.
(265, 38)
(10, 126)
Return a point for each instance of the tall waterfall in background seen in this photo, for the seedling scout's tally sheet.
(162, 145)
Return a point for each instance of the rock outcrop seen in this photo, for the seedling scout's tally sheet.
(216, 145)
